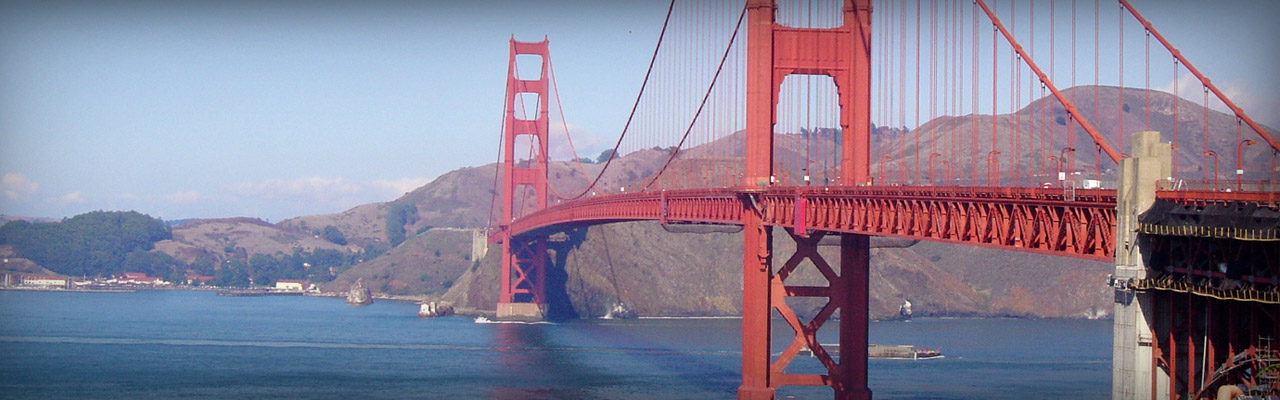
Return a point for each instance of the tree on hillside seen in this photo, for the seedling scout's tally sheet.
(604, 156)
(332, 234)
(400, 214)
(95, 244)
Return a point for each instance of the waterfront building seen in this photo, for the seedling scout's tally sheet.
(44, 281)
(290, 284)
(139, 278)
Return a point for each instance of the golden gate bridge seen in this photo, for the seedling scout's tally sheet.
(948, 122)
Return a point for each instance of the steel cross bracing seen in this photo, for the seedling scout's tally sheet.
(1026, 219)
(1074, 223)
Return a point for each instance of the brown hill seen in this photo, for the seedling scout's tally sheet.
(1043, 128)
(657, 272)
(424, 265)
(223, 237)
(17, 266)
(661, 273)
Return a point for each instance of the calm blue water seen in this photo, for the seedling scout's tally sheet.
(179, 344)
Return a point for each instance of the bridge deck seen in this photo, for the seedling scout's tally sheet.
(1079, 223)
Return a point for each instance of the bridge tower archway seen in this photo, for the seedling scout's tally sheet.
(524, 260)
(775, 51)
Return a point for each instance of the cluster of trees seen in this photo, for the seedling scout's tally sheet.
(98, 243)
(109, 243)
(334, 235)
(399, 214)
(264, 269)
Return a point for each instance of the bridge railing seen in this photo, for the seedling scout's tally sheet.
(1222, 190)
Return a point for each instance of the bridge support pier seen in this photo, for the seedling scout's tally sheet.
(524, 272)
(1133, 365)
(766, 290)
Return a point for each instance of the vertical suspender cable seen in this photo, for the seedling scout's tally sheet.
(902, 85)
(1097, 16)
(1177, 120)
(956, 134)
(1053, 52)
(1147, 75)
(1097, 156)
(933, 76)
(919, 11)
(1071, 129)
(1016, 79)
(1123, 102)
(973, 169)
(1035, 114)
(1205, 119)
(992, 161)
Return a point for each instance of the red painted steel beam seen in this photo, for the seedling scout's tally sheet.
(1026, 219)
(1275, 144)
(1071, 107)
(775, 51)
(517, 265)
(757, 266)
(1210, 196)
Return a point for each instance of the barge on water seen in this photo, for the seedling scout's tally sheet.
(887, 352)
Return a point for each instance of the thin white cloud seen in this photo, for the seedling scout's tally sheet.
(1240, 91)
(72, 198)
(586, 143)
(399, 186)
(310, 187)
(315, 195)
(17, 187)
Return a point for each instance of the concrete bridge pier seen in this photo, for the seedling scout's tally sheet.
(1133, 373)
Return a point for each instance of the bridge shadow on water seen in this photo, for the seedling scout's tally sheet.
(559, 304)
(590, 360)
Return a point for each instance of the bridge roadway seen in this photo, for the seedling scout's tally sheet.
(1081, 224)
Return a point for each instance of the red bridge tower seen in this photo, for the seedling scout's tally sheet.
(524, 260)
(773, 52)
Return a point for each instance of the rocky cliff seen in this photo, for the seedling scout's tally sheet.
(660, 273)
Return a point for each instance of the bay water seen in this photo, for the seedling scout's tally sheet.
(194, 344)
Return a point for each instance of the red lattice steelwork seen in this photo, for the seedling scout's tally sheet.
(523, 262)
(751, 181)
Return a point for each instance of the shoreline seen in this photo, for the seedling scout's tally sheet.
(472, 312)
(49, 289)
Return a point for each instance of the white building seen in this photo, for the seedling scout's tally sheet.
(289, 284)
(47, 281)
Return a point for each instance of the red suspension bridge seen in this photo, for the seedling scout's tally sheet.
(802, 119)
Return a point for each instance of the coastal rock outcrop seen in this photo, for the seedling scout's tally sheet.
(359, 294)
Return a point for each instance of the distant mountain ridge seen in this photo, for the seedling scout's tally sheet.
(659, 273)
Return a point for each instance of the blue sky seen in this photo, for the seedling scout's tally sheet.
(276, 109)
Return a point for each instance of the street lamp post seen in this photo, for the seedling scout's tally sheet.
(1053, 160)
(931, 157)
(1215, 167)
(884, 168)
(1240, 162)
(993, 168)
(1062, 158)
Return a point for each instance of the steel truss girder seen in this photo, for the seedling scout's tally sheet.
(1026, 219)
(805, 333)
(525, 280)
